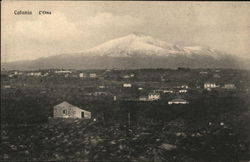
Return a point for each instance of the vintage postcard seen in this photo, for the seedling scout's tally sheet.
(125, 81)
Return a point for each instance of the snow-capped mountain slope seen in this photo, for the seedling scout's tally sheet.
(144, 45)
(199, 50)
(134, 44)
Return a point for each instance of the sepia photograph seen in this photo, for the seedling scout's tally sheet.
(115, 81)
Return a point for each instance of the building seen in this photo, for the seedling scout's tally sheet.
(143, 98)
(182, 91)
(184, 86)
(11, 75)
(127, 85)
(100, 93)
(168, 91)
(101, 86)
(178, 101)
(34, 74)
(229, 86)
(203, 73)
(153, 96)
(18, 73)
(140, 88)
(66, 110)
(63, 71)
(92, 75)
(216, 76)
(45, 74)
(126, 76)
(210, 85)
(82, 75)
(6, 86)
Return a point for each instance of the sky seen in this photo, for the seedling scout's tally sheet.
(75, 26)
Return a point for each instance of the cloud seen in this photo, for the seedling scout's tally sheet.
(46, 28)
(47, 35)
(107, 19)
(57, 27)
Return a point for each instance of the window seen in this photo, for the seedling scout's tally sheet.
(65, 112)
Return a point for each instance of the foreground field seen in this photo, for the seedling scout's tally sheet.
(177, 140)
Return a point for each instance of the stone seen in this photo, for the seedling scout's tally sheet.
(26, 152)
(5, 156)
(13, 147)
(78, 153)
(121, 147)
(113, 142)
(21, 146)
(168, 147)
(94, 141)
(178, 134)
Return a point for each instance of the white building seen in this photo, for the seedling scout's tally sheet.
(101, 86)
(18, 73)
(34, 74)
(99, 93)
(183, 90)
(178, 101)
(127, 85)
(45, 74)
(66, 110)
(210, 85)
(82, 75)
(143, 98)
(229, 86)
(203, 72)
(6, 86)
(92, 75)
(63, 71)
(153, 96)
(216, 76)
(168, 91)
(126, 76)
(184, 86)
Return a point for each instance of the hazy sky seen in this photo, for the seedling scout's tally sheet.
(75, 26)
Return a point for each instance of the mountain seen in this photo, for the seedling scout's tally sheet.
(134, 45)
(136, 51)
(143, 45)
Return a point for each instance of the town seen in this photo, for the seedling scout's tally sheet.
(137, 115)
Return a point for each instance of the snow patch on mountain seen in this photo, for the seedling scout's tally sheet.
(143, 45)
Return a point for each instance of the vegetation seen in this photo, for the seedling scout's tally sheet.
(213, 127)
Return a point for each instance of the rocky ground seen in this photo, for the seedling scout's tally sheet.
(85, 140)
